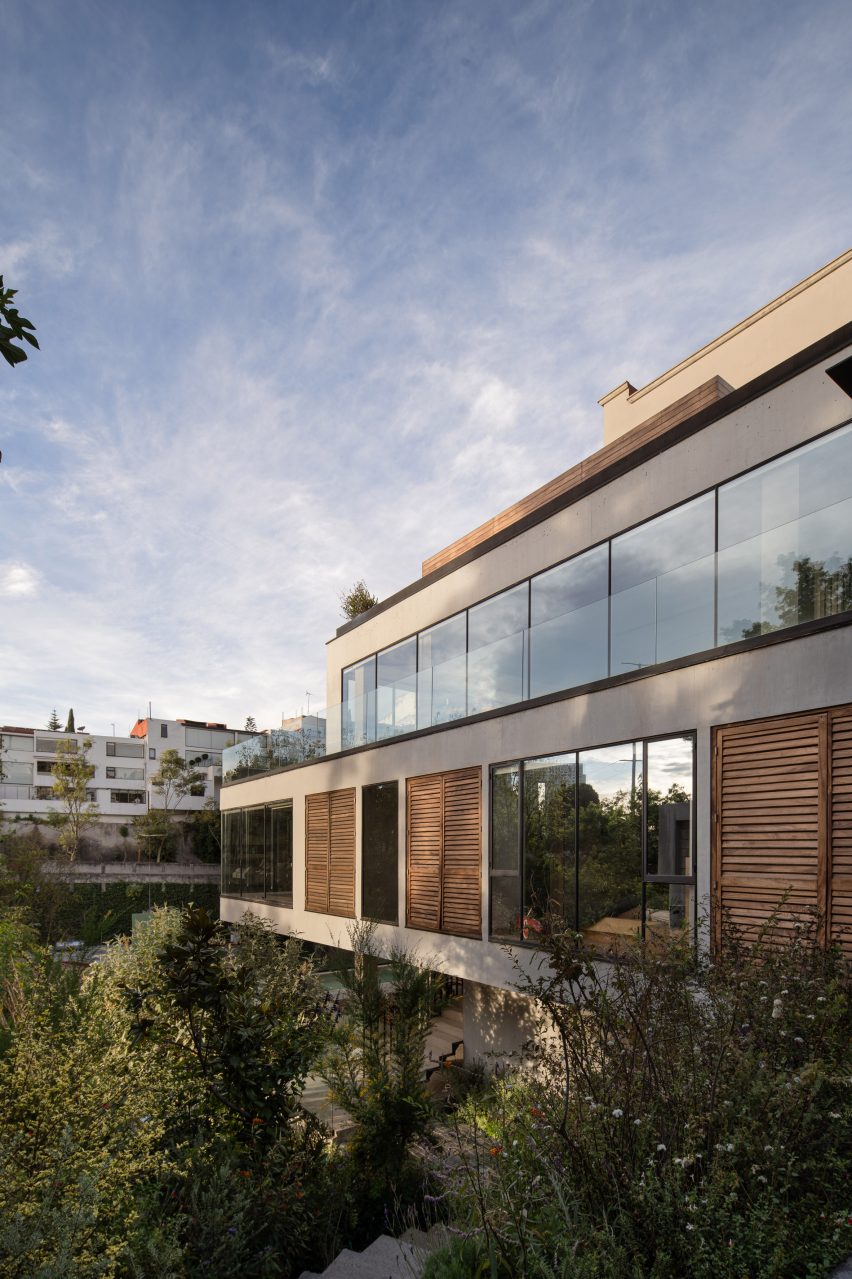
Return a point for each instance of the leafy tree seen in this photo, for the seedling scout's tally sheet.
(53, 723)
(69, 723)
(73, 772)
(374, 1070)
(173, 781)
(155, 830)
(357, 600)
(251, 724)
(13, 328)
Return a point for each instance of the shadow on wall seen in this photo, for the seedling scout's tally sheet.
(497, 1025)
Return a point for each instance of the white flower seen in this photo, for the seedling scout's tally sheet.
(617, 1114)
(797, 1039)
(820, 999)
(834, 1114)
(777, 1009)
(762, 1178)
(660, 1147)
(690, 1226)
(767, 1148)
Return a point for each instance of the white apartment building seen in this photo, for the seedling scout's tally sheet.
(623, 701)
(124, 766)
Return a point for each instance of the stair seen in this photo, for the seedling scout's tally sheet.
(386, 1258)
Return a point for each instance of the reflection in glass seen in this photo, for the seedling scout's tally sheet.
(254, 851)
(669, 807)
(280, 851)
(396, 693)
(669, 908)
(358, 711)
(549, 803)
(442, 672)
(505, 907)
(497, 651)
(610, 850)
(790, 573)
(662, 587)
(569, 613)
(380, 852)
(505, 817)
(232, 851)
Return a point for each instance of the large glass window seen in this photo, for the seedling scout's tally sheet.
(16, 742)
(579, 838)
(442, 672)
(662, 587)
(359, 703)
(496, 661)
(380, 852)
(279, 854)
(506, 851)
(257, 852)
(254, 851)
(548, 881)
(785, 541)
(396, 692)
(569, 611)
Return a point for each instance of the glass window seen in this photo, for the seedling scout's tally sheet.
(549, 878)
(280, 868)
(47, 745)
(785, 541)
(669, 807)
(164, 730)
(13, 770)
(126, 796)
(497, 650)
(442, 672)
(570, 618)
(663, 580)
(152, 753)
(396, 692)
(505, 851)
(610, 847)
(254, 851)
(359, 704)
(232, 851)
(130, 750)
(380, 852)
(669, 909)
(17, 742)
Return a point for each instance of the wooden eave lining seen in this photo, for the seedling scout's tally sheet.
(710, 392)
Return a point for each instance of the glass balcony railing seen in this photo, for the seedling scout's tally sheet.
(790, 573)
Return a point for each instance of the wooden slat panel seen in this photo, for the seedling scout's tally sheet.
(316, 852)
(424, 851)
(341, 872)
(462, 880)
(770, 827)
(839, 906)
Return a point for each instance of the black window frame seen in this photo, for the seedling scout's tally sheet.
(520, 874)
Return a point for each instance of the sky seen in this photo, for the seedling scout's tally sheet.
(321, 287)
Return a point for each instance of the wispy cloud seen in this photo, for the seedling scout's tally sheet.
(318, 296)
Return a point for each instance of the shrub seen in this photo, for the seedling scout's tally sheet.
(678, 1116)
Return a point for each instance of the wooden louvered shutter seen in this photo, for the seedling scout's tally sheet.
(445, 852)
(316, 852)
(425, 828)
(341, 874)
(461, 895)
(840, 882)
(770, 820)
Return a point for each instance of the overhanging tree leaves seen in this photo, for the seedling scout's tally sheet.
(13, 328)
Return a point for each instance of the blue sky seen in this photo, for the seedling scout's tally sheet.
(321, 286)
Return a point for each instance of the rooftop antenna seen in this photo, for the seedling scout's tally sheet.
(307, 694)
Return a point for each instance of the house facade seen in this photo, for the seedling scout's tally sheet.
(124, 766)
(626, 701)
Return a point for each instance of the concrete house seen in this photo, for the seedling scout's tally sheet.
(626, 700)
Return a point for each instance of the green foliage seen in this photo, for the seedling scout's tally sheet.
(72, 773)
(357, 600)
(156, 835)
(69, 723)
(374, 1070)
(204, 829)
(149, 1117)
(250, 724)
(682, 1117)
(53, 723)
(13, 328)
